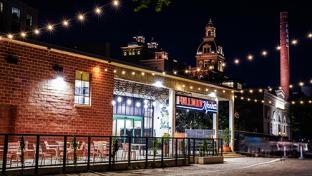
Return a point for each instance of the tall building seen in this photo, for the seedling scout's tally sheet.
(16, 16)
(210, 60)
(146, 53)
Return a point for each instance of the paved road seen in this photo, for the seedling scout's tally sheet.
(233, 166)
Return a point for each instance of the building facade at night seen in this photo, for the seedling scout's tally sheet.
(49, 90)
(16, 16)
(146, 53)
(210, 60)
(264, 112)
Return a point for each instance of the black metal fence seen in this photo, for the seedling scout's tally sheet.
(21, 151)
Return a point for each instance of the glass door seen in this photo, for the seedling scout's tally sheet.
(128, 126)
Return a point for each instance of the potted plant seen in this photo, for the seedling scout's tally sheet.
(226, 140)
(166, 137)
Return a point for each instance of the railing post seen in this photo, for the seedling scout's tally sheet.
(89, 152)
(189, 150)
(129, 152)
(110, 151)
(5, 153)
(221, 147)
(162, 152)
(64, 154)
(37, 154)
(213, 147)
(146, 152)
(176, 152)
(194, 152)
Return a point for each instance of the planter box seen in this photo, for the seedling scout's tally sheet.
(209, 160)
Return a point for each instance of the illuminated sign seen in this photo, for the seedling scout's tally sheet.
(196, 104)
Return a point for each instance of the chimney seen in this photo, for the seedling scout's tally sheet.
(284, 54)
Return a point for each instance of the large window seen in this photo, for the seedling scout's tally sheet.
(16, 13)
(1, 7)
(82, 88)
(29, 20)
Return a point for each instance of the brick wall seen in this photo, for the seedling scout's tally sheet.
(33, 101)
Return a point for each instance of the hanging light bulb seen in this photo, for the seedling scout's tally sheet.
(301, 83)
(294, 42)
(23, 34)
(310, 35)
(37, 31)
(236, 61)
(116, 3)
(65, 23)
(250, 57)
(278, 47)
(50, 27)
(10, 36)
(81, 17)
(98, 10)
(264, 53)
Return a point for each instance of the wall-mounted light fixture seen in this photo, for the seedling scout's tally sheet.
(58, 69)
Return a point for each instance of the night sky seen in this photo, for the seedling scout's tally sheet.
(243, 27)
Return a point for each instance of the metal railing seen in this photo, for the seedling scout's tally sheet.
(36, 151)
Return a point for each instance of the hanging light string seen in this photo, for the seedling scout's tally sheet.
(255, 100)
(65, 23)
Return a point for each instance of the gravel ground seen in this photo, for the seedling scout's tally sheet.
(234, 166)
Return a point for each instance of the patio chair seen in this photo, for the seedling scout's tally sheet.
(42, 155)
(125, 151)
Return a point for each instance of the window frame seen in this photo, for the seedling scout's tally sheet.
(82, 86)
(30, 20)
(15, 9)
(1, 6)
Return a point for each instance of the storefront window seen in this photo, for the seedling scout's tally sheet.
(82, 88)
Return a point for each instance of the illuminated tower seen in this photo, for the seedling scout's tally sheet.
(284, 54)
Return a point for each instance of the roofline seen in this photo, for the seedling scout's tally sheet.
(115, 62)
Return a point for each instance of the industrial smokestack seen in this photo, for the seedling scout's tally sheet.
(284, 54)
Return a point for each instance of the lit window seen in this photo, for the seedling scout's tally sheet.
(1, 6)
(29, 20)
(125, 53)
(16, 13)
(82, 88)
(138, 52)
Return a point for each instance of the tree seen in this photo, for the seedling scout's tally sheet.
(144, 4)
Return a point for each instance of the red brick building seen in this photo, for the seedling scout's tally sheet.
(34, 100)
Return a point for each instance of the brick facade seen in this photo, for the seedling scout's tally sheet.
(31, 101)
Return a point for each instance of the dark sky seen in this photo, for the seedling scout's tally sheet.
(243, 27)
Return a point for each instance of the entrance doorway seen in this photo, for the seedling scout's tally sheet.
(129, 126)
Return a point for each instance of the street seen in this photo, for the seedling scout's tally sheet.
(233, 166)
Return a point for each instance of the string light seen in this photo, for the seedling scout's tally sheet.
(133, 73)
(291, 86)
(278, 47)
(310, 35)
(250, 57)
(236, 61)
(50, 27)
(98, 10)
(65, 23)
(81, 17)
(37, 31)
(123, 72)
(10, 36)
(264, 53)
(301, 84)
(294, 42)
(116, 3)
(142, 73)
(23, 34)
(175, 72)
